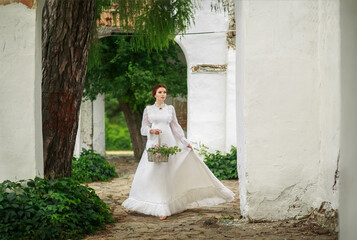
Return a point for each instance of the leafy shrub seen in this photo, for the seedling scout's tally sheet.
(117, 137)
(91, 167)
(50, 209)
(223, 166)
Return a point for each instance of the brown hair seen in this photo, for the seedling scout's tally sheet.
(157, 86)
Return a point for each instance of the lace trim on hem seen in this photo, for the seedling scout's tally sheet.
(203, 197)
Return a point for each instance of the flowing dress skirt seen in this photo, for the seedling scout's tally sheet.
(163, 189)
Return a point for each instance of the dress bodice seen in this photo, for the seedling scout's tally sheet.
(163, 118)
(159, 116)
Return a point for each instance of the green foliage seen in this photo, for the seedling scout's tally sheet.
(99, 7)
(117, 137)
(164, 150)
(202, 149)
(113, 111)
(154, 23)
(223, 166)
(50, 209)
(129, 75)
(91, 166)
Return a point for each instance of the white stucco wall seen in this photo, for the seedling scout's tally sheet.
(240, 91)
(330, 100)
(348, 196)
(77, 147)
(231, 120)
(20, 92)
(99, 125)
(288, 105)
(210, 120)
(86, 125)
(91, 128)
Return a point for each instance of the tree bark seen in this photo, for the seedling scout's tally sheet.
(133, 120)
(66, 35)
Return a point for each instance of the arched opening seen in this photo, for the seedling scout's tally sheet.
(126, 76)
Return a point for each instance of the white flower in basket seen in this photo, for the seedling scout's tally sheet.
(161, 153)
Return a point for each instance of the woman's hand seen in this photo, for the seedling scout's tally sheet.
(155, 131)
(189, 146)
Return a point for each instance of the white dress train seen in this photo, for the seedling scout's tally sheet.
(166, 188)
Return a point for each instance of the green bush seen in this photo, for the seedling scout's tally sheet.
(91, 167)
(223, 166)
(50, 209)
(117, 137)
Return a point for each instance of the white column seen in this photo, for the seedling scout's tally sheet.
(78, 145)
(206, 100)
(99, 125)
(287, 122)
(240, 7)
(21, 155)
(231, 121)
(87, 125)
(91, 127)
(348, 196)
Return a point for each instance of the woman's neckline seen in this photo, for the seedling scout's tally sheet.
(161, 106)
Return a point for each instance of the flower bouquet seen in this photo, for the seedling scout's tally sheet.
(161, 153)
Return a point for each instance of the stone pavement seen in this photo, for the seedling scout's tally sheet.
(219, 222)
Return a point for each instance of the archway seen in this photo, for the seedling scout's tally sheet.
(171, 74)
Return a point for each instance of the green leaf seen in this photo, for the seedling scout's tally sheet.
(11, 196)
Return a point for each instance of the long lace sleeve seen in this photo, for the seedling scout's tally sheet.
(145, 124)
(177, 129)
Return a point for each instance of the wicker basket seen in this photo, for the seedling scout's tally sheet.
(153, 158)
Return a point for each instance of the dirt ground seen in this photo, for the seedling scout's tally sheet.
(219, 222)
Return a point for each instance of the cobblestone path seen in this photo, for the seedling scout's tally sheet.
(220, 222)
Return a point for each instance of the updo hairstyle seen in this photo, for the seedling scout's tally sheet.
(157, 86)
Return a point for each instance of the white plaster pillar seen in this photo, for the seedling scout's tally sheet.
(240, 90)
(78, 144)
(86, 125)
(348, 196)
(21, 155)
(91, 128)
(231, 121)
(99, 125)
(206, 99)
(330, 101)
(287, 102)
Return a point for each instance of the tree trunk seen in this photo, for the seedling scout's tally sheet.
(65, 45)
(133, 120)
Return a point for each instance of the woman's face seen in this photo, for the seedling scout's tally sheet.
(160, 94)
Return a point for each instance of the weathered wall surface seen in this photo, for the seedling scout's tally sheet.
(348, 197)
(330, 100)
(99, 125)
(86, 133)
(211, 120)
(28, 3)
(20, 92)
(288, 98)
(231, 136)
(91, 129)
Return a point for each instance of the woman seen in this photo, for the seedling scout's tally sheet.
(166, 188)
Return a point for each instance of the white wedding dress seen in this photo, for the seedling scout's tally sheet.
(166, 188)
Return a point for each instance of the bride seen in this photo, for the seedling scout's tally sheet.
(165, 188)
